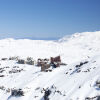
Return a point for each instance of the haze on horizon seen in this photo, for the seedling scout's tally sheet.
(47, 19)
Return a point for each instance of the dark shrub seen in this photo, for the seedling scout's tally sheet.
(4, 59)
(21, 61)
(46, 94)
(98, 98)
(98, 83)
(15, 71)
(2, 75)
(13, 58)
(81, 64)
(30, 62)
(63, 64)
(17, 92)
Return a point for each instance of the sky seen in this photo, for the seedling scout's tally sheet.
(47, 19)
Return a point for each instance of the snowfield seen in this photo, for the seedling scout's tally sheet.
(78, 80)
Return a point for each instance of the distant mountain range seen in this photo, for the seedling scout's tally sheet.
(33, 38)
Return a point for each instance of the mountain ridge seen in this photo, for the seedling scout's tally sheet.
(77, 80)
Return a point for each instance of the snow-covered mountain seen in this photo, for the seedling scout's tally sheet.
(78, 80)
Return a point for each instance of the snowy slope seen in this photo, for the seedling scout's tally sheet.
(66, 82)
